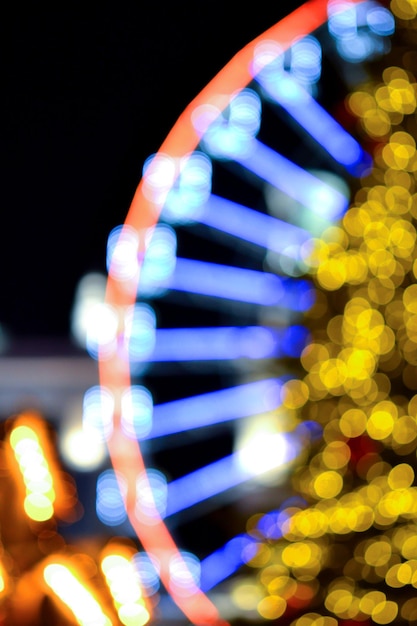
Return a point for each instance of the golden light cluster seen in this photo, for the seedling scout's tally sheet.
(347, 549)
(43, 578)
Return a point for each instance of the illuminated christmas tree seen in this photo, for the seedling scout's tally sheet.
(344, 549)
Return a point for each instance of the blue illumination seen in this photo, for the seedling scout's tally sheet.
(189, 190)
(224, 562)
(234, 283)
(361, 31)
(136, 412)
(147, 570)
(255, 227)
(159, 261)
(342, 20)
(204, 483)
(97, 415)
(226, 343)
(294, 181)
(305, 64)
(270, 525)
(229, 133)
(265, 453)
(215, 407)
(381, 21)
(315, 120)
(140, 334)
(110, 506)
(151, 495)
(365, 46)
(294, 341)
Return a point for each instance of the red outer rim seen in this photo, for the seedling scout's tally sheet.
(114, 372)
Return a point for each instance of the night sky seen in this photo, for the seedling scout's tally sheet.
(89, 91)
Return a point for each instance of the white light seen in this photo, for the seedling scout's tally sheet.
(122, 253)
(97, 415)
(89, 292)
(264, 452)
(151, 496)
(159, 172)
(81, 602)
(185, 572)
(137, 410)
(82, 450)
(102, 328)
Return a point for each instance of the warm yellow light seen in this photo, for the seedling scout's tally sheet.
(75, 595)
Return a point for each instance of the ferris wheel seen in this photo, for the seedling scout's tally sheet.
(207, 300)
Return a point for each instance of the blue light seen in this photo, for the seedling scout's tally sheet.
(295, 340)
(294, 181)
(234, 283)
(305, 64)
(97, 415)
(226, 561)
(381, 21)
(255, 227)
(136, 412)
(270, 524)
(151, 495)
(266, 452)
(189, 190)
(315, 120)
(229, 133)
(365, 46)
(204, 483)
(215, 407)
(225, 343)
(147, 570)
(159, 261)
(140, 334)
(342, 19)
(110, 506)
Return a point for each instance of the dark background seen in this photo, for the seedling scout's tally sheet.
(88, 93)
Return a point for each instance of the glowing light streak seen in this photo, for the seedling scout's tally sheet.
(224, 562)
(252, 226)
(227, 343)
(36, 474)
(215, 407)
(125, 589)
(315, 120)
(75, 595)
(229, 472)
(294, 181)
(234, 283)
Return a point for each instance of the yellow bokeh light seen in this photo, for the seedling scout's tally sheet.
(353, 422)
(295, 394)
(328, 484)
(380, 425)
(378, 552)
(401, 476)
(385, 612)
(272, 607)
(297, 554)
